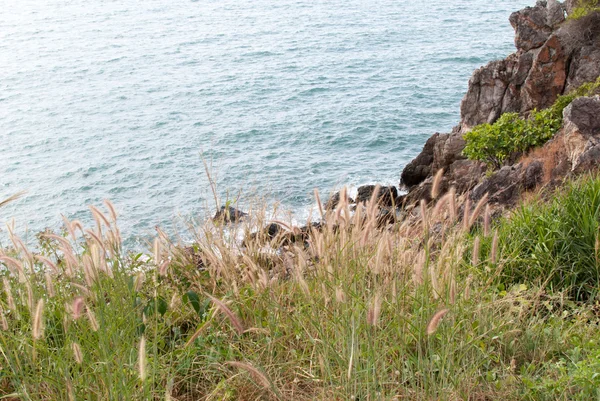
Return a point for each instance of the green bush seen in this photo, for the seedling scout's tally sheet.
(510, 134)
(584, 7)
(494, 143)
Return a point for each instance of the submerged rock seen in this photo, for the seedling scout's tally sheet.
(334, 201)
(385, 197)
(229, 215)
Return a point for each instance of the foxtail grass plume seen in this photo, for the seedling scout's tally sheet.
(77, 353)
(111, 210)
(92, 318)
(259, 376)
(49, 285)
(476, 251)
(424, 222)
(477, 211)
(157, 251)
(434, 281)
(418, 270)
(77, 307)
(494, 252)
(437, 184)
(433, 324)
(452, 295)
(9, 297)
(11, 198)
(142, 359)
(467, 292)
(139, 281)
(452, 204)
(48, 263)
(14, 266)
(319, 203)
(486, 221)
(38, 318)
(233, 319)
(29, 296)
(466, 213)
(3, 321)
(374, 310)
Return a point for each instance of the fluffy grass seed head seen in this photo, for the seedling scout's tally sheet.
(77, 353)
(142, 359)
(77, 307)
(433, 324)
(38, 319)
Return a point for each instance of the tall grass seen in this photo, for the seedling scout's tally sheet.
(351, 309)
(556, 243)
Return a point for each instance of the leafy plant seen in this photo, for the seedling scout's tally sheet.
(494, 143)
(584, 7)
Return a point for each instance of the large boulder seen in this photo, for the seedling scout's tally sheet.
(229, 215)
(547, 78)
(534, 25)
(420, 168)
(385, 197)
(503, 187)
(581, 132)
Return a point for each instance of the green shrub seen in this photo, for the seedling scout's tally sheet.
(494, 143)
(584, 7)
(510, 134)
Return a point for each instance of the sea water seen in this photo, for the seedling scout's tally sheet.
(131, 100)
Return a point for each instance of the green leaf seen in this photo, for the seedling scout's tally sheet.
(192, 298)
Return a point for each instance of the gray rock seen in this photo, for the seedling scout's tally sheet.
(503, 187)
(386, 196)
(229, 215)
(334, 201)
(534, 174)
(419, 169)
(581, 131)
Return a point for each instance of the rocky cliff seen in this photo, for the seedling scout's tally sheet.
(554, 55)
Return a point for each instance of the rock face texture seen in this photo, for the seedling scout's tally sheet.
(581, 133)
(553, 56)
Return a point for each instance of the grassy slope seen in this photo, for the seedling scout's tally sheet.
(409, 312)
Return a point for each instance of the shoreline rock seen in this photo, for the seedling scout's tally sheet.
(553, 56)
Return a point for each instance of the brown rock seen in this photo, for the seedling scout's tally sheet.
(533, 25)
(417, 170)
(547, 77)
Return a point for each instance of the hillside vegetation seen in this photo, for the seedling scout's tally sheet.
(447, 305)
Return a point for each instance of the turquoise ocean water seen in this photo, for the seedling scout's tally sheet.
(120, 99)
